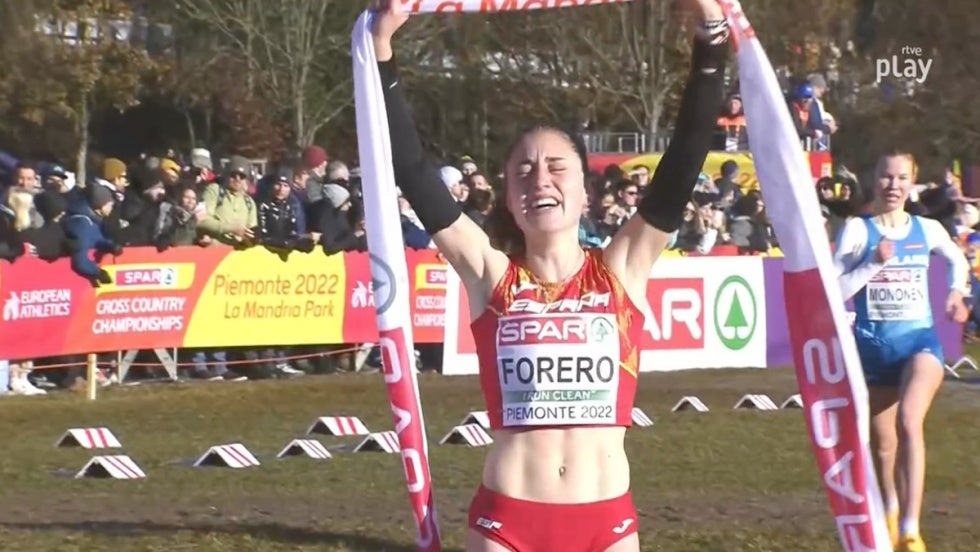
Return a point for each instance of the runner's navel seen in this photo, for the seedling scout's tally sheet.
(561, 471)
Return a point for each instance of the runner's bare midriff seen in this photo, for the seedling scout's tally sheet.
(558, 466)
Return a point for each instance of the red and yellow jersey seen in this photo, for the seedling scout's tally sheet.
(559, 354)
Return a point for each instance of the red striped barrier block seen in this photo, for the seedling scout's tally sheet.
(111, 467)
(469, 434)
(386, 441)
(689, 402)
(338, 426)
(640, 418)
(755, 402)
(89, 438)
(305, 447)
(794, 401)
(478, 417)
(233, 455)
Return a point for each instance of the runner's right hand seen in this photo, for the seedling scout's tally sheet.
(390, 15)
(885, 251)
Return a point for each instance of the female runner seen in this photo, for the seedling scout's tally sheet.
(556, 326)
(884, 260)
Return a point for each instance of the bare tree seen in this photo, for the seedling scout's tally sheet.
(297, 52)
(624, 62)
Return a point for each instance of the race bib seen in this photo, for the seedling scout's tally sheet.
(898, 294)
(558, 369)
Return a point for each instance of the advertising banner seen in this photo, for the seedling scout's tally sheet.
(205, 297)
(702, 312)
(821, 164)
(209, 297)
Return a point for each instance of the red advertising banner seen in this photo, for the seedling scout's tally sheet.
(205, 297)
(821, 164)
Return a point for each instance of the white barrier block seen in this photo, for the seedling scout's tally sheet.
(386, 441)
(755, 402)
(233, 455)
(305, 447)
(794, 401)
(479, 417)
(338, 426)
(689, 402)
(115, 467)
(89, 438)
(469, 434)
(967, 360)
(640, 418)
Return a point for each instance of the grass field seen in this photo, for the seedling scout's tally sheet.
(719, 481)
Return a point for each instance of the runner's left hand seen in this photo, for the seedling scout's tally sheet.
(709, 10)
(955, 307)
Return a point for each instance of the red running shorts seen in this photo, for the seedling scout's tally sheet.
(526, 526)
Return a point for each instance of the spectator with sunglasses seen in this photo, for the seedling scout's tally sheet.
(232, 214)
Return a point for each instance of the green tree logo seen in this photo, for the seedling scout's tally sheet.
(734, 323)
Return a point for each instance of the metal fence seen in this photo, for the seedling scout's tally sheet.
(642, 142)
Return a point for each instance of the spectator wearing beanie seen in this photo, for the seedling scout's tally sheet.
(453, 179)
(170, 172)
(278, 218)
(116, 175)
(202, 169)
(84, 224)
(50, 241)
(144, 210)
(330, 219)
(338, 196)
(315, 161)
(201, 159)
(115, 178)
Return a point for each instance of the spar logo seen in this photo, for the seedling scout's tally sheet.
(430, 276)
(677, 320)
(553, 330)
(735, 313)
(678, 323)
(149, 277)
(164, 277)
(899, 276)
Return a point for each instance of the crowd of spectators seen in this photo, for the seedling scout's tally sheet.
(309, 202)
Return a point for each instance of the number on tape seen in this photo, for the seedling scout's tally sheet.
(755, 402)
(468, 434)
(386, 441)
(478, 417)
(640, 418)
(233, 455)
(114, 467)
(689, 402)
(338, 426)
(305, 447)
(89, 438)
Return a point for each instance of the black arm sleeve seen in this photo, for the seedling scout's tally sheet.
(418, 179)
(673, 182)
